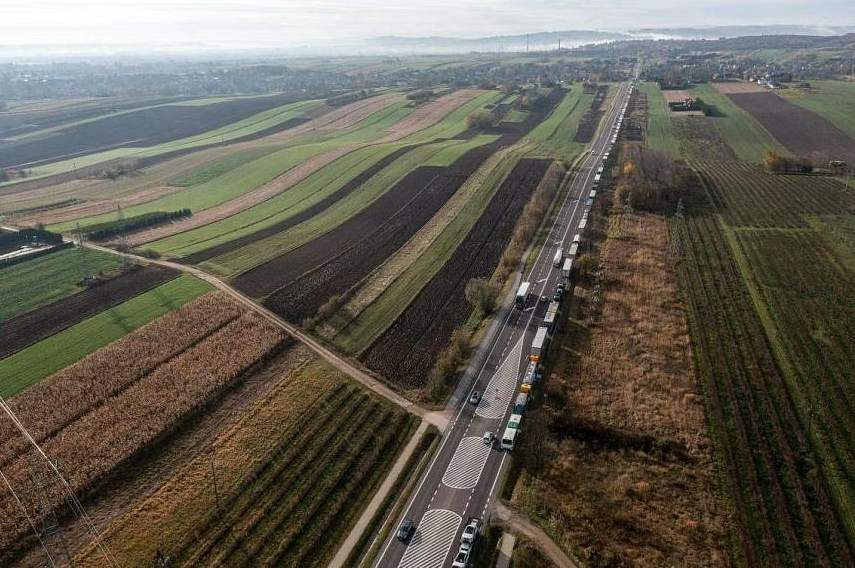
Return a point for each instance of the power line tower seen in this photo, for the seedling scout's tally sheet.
(122, 246)
(83, 257)
(49, 491)
(50, 532)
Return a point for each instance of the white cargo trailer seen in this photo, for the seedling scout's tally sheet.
(559, 257)
(567, 268)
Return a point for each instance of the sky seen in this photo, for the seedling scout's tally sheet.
(289, 22)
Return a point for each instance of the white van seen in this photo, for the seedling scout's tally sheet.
(509, 438)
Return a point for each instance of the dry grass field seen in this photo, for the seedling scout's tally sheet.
(630, 478)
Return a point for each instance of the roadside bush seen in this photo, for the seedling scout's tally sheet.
(447, 365)
(482, 294)
(531, 218)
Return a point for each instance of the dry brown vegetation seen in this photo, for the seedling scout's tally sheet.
(630, 480)
(289, 484)
(120, 400)
(531, 219)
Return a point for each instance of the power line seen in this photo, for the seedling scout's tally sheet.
(74, 503)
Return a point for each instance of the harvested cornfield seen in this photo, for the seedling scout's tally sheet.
(122, 399)
(289, 484)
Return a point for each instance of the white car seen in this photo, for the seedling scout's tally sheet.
(488, 438)
(462, 559)
(470, 531)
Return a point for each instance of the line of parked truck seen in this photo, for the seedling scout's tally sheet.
(540, 343)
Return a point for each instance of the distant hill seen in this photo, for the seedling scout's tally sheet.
(575, 38)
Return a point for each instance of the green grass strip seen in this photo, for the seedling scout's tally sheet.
(452, 152)
(29, 366)
(29, 285)
(658, 135)
(515, 115)
(242, 259)
(221, 167)
(740, 130)
(250, 125)
(547, 128)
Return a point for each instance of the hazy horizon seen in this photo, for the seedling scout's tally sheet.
(271, 23)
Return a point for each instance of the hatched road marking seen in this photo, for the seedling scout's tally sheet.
(432, 539)
(466, 464)
(502, 386)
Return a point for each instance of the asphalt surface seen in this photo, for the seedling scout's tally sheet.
(463, 479)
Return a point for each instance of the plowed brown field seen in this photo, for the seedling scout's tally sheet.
(802, 132)
(33, 326)
(406, 352)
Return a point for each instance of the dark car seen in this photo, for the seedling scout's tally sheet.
(405, 530)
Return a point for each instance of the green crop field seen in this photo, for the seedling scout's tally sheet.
(245, 127)
(658, 135)
(740, 130)
(40, 360)
(244, 258)
(547, 128)
(772, 267)
(834, 100)
(322, 183)
(556, 133)
(451, 152)
(220, 167)
(29, 285)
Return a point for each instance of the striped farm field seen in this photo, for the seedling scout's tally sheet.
(40, 281)
(556, 134)
(119, 401)
(743, 133)
(262, 250)
(382, 299)
(658, 135)
(772, 463)
(326, 180)
(290, 484)
(246, 127)
(29, 366)
(751, 197)
(228, 185)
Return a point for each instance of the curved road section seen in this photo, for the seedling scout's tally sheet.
(463, 477)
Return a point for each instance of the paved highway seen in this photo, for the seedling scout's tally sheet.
(463, 478)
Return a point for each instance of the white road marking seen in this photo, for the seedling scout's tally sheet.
(502, 386)
(433, 538)
(466, 464)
